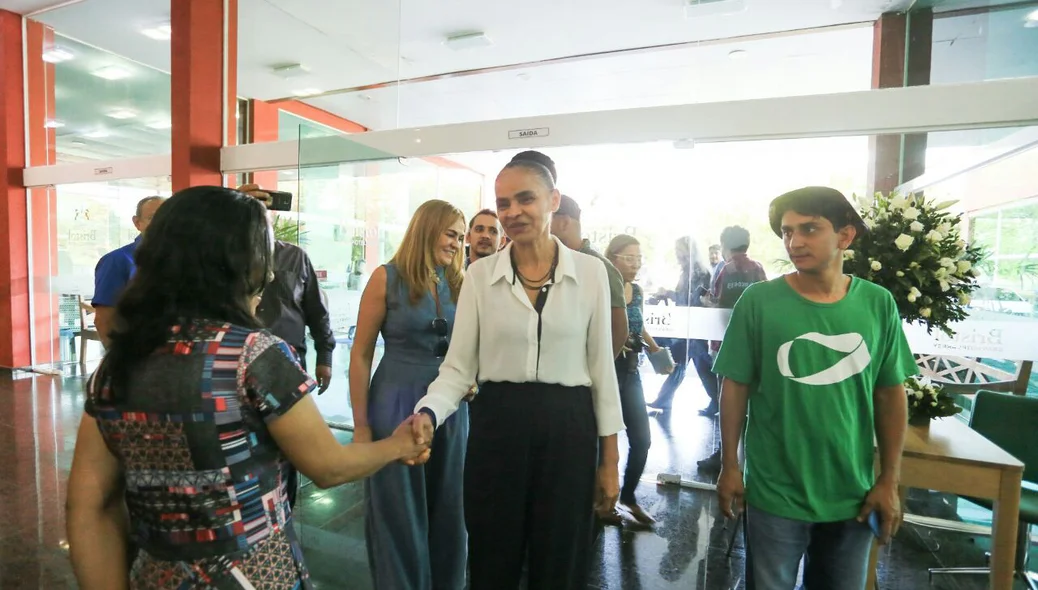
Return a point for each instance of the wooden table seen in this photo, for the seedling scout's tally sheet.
(954, 458)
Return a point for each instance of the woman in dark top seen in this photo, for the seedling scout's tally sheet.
(625, 253)
(194, 414)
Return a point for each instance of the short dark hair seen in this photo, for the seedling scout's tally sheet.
(817, 201)
(145, 201)
(736, 239)
(539, 158)
(539, 170)
(489, 212)
(568, 207)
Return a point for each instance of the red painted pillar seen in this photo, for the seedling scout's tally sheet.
(14, 268)
(263, 128)
(200, 106)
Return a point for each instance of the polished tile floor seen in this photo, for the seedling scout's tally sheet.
(686, 549)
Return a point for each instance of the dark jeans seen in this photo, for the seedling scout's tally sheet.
(632, 402)
(529, 486)
(836, 554)
(683, 351)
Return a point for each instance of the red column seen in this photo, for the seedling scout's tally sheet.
(198, 99)
(14, 268)
(263, 128)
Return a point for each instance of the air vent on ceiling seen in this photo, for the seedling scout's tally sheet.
(701, 8)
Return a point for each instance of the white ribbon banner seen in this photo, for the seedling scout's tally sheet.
(995, 339)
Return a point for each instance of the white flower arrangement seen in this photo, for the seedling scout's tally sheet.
(915, 250)
(928, 400)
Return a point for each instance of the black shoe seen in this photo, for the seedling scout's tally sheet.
(710, 411)
(711, 463)
(657, 406)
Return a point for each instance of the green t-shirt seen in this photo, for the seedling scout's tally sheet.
(616, 280)
(812, 369)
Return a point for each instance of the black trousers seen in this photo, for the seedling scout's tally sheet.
(529, 486)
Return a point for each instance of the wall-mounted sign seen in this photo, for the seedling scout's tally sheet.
(103, 171)
(528, 133)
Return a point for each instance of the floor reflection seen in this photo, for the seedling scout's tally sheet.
(688, 548)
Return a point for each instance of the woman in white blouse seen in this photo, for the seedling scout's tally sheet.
(533, 329)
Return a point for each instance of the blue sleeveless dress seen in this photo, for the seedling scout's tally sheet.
(414, 518)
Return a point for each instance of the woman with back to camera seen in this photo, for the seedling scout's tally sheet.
(533, 328)
(625, 253)
(414, 522)
(194, 413)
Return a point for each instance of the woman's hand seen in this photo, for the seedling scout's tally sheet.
(607, 490)
(409, 448)
(471, 395)
(422, 433)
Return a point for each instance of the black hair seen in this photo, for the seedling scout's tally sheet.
(539, 158)
(735, 239)
(542, 173)
(489, 212)
(206, 253)
(145, 201)
(815, 201)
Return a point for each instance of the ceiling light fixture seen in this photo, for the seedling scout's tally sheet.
(290, 71)
(162, 32)
(56, 55)
(462, 41)
(53, 124)
(306, 92)
(160, 124)
(122, 113)
(737, 54)
(112, 73)
(96, 134)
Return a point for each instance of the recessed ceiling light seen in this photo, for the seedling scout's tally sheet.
(737, 54)
(160, 124)
(364, 97)
(306, 92)
(467, 41)
(112, 73)
(290, 71)
(53, 124)
(122, 113)
(56, 55)
(96, 134)
(160, 33)
(77, 143)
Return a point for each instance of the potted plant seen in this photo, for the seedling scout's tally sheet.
(914, 248)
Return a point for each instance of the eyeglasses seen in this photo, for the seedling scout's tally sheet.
(631, 258)
(439, 326)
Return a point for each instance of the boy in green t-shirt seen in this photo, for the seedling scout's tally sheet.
(819, 359)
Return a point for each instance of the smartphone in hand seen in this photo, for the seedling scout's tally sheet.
(876, 524)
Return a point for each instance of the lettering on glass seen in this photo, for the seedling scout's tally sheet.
(528, 133)
(103, 171)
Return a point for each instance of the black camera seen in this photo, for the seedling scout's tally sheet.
(279, 200)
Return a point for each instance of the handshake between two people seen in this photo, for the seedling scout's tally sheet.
(412, 438)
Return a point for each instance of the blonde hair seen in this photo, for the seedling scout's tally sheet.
(415, 259)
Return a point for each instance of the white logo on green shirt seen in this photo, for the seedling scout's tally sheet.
(855, 362)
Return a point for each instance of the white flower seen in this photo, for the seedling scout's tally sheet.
(876, 265)
(848, 254)
(945, 228)
(933, 404)
(941, 273)
(916, 227)
(913, 294)
(964, 265)
(904, 242)
(934, 236)
(960, 244)
(912, 264)
(925, 312)
(918, 394)
(911, 298)
(911, 214)
(900, 273)
(964, 299)
(898, 202)
(947, 262)
(870, 223)
(945, 286)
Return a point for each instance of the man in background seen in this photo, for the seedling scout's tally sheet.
(738, 272)
(565, 225)
(292, 303)
(484, 236)
(115, 269)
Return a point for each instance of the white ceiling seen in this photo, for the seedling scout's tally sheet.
(350, 43)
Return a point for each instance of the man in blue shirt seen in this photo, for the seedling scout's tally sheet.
(116, 268)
